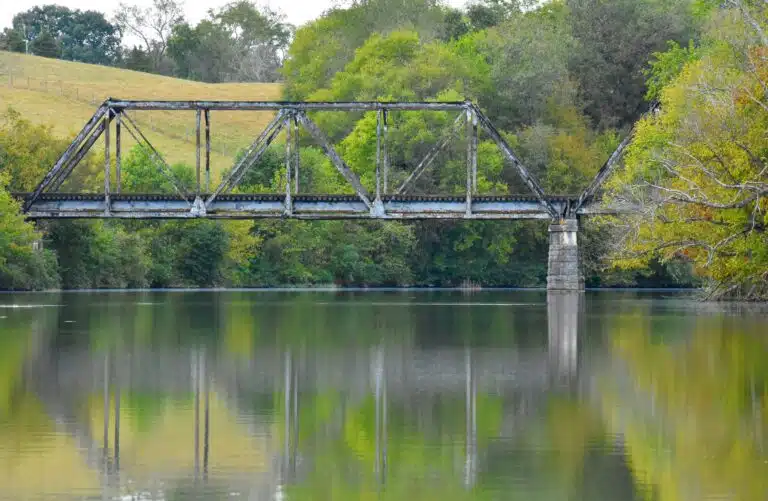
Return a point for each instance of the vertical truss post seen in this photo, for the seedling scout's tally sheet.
(118, 152)
(473, 156)
(385, 151)
(207, 150)
(378, 155)
(469, 159)
(107, 161)
(197, 149)
(296, 153)
(288, 159)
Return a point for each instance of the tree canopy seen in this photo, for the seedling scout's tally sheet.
(59, 32)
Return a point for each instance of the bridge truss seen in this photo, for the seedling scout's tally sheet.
(385, 202)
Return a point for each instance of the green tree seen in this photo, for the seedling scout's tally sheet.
(136, 59)
(12, 40)
(323, 47)
(143, 173)
(528, 67)
(56, 31)
(199, 250)
(98, 255)
(239, 42)
(615, 40)
(45, 45)
(23, 264)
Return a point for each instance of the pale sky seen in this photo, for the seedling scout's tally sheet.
(297, 11)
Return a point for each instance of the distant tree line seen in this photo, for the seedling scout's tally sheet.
(238, 43)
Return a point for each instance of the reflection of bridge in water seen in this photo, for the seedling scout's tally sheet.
(392, 375)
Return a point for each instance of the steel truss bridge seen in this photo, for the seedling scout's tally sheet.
(381, 201)
(47, 201)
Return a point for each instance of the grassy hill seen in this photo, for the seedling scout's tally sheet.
(65, 94)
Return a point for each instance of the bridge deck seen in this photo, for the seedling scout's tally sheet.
(247, 206)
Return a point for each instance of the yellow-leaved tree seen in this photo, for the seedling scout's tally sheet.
(697, 173)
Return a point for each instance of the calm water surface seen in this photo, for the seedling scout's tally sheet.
(612, 396)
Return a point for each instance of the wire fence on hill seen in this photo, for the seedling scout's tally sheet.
(82, 94)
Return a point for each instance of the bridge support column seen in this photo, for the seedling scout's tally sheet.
(564, 271)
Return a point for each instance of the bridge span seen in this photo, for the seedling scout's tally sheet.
(252, 206)
(379, 198)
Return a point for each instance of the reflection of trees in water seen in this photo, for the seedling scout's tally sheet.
(692, 410)
(382, 402)
(416, 415)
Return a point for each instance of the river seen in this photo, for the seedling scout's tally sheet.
(401, 395)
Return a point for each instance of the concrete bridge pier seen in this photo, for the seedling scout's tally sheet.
(564, 270)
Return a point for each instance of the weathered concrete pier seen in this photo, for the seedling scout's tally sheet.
(564, 271)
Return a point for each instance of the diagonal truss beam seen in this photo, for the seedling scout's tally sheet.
(65, 157)
(506, 150)
(432, 154)
(611, 163)
(164, 167)
(65, 173)
(252, 155)
(331, 153)
(604, 172)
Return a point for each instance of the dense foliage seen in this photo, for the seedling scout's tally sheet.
(59, 32)
(697, 169)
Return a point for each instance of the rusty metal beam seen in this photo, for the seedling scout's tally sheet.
(107, 160)
(431, 155)
(471, 132)
(385, 152)
(250, 157)
(284, 105)
(604, 172)
(612, 162)
(473, 152)
(64, 174)
(506, 150)
(288, 159)
(340, 165)
(198, 153)
(207, 150)
(118, 152)
(67, 155)
(296, 152)
(378, 154)
(240, 206)
(137, 135)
